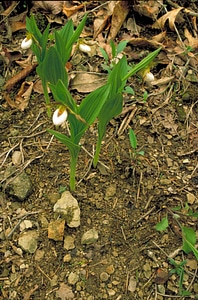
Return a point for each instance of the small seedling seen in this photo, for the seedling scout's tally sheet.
(133, 143)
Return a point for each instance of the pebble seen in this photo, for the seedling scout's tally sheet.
(73, 278)
(69, 242)
(67, 258)
(17, 158)
(28, 241)
(110, 269)
(89, 237)
(104, 276)
(67, 206)
(56, 229)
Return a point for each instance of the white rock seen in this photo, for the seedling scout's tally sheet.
(67, 207)
(28, 241)
(69, 242)
(89, 237)
(17, 158)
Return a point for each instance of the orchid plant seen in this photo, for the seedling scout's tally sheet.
(52, 52)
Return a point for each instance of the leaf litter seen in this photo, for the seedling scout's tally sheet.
(129, 244)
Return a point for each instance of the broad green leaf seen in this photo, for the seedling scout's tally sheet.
(104, 54)
(62, 95)
(73, 148)
(189, 240)
(116, 75)
(132, 139)
(129, 90)
(52, 68)
(142, 64)
(162, 225)
(43, 41)
(121, 46)
(111, 108)
(32, 27)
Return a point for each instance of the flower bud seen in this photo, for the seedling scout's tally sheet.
(85, 48)
(59, 116)
(149, 77)
(26, 43)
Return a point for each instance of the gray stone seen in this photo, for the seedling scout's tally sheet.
(20, 187)
(89, 237)
(67, 207)
(28, 241)
(73, 278)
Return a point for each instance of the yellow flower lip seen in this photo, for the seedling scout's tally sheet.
(26, 43)
(59, 116)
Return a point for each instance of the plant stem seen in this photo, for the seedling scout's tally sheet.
(73, 163)
(47, 99)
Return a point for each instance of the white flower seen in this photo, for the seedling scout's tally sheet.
(85, 48)
(149, 77)
(59, 116)
(26, 43)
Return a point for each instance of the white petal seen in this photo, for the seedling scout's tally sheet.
(26, 43)
(85, 48)
(59, 116)
(149, 77)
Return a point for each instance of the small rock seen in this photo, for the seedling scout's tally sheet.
(104, 276)
(16, 158)
(67, 258)
(20, 187)
(25, 225)
(39, 254)
(132, 284)
(56, 230)
(110, 269)
(195, 288)
(28, 241)
(69, 242)
(73, 278)
(190, 198)
(111, 292)
(192, 263)
(67, 207)
(89, 237)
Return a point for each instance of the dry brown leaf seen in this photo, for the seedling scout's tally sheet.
(38, 87)
(149, 8)
(69, 11)
(19, 76)
(192, 42)
(25, 63)
(8, 11)
(120, 12)
(170, 16)
(86, 82)
(54, 7)
(23, 95)
(143, 42)
(10, 56)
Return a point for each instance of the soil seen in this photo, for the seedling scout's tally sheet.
(122, 199)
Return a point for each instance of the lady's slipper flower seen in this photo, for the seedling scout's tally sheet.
(84, 48)
(26, 43)
(59, 116)
(149, 77)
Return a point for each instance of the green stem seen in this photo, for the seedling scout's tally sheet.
(47, 99)
(73, 163)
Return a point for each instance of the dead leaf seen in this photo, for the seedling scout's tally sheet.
(9, 56)
(192, 42)
(8, 11)
(69, 11)
(54, 7)
(143, 42)
(170, 16)
(120, 12)
(149, 8)
(19, 76)
(18, 22)
(64, 292)
(86, 82)
(23, 95)
(25, 63)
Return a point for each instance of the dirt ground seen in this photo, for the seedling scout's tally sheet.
(122, 199)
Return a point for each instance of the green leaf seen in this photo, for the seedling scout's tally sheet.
(32, 27)
(132, 139)
(116, 75)
(142, 64)
(104, 54)
(52, 68)
(121, 46)
(113, 48)
(62, 95)
(162, 225)
(129, 90)
(189, 240)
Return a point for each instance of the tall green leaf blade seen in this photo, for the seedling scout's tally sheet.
(32, 27)
(142, 64)
(132, 139)
(115, 77)
(43, 41)
(77, 32)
